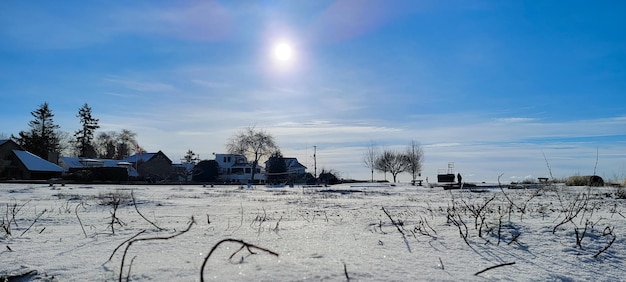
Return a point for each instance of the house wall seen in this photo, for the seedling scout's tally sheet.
(157, 168)
(9, 164)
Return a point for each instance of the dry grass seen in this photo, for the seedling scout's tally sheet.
(577, 180)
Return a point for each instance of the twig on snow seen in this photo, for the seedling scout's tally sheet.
(34, 221)
(132, 195)
(610, 232)
(122, 244)
(79, 221)
(130, 242)
(399, 230)
(495, 266)
(248, 246)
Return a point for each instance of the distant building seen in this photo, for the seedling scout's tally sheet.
(236, 168)
(183, 171)
(75, 164)
(293, 166)
(18, 164)
(155, 167)
(294, 171)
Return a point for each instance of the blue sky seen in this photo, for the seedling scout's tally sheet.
(492, 86)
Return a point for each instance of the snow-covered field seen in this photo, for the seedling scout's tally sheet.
(337, 233)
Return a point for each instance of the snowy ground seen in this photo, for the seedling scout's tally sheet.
(336, 233)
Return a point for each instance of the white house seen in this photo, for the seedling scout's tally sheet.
(236, 168)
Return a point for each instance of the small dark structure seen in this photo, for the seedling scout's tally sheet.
(444, 178)
(595, 181)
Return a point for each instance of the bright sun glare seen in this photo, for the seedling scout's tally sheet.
(282, 51)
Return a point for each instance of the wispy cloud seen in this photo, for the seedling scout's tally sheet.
(196, 20)
(140, 85)
(515, 119)
(210, 84)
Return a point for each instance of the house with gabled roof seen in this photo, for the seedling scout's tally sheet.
(294, 166)
(294, 169)
(154, 167)
(18, 164)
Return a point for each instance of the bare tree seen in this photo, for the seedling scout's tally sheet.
(414, 158)
(382, 162)
(105, 144)
(65, 140)
(392, 162)
(126, 143)
(113, 145)
(254, 144)
(369, 158)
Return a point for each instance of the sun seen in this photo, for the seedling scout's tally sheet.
(283, 51)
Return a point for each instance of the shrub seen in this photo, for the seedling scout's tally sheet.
(586, 180)
(577, 180)
(116, 197)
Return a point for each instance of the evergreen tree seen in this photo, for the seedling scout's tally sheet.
(190, 158)
(42, 138)
(206, 171)
(276, 170)
(85, 135)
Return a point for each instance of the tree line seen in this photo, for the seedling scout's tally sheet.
(395, 162)
(45, 139)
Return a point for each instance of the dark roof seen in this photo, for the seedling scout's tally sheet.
(78, 163)
(293, 163)
(35, 163)
(144, 157)
(139, 157)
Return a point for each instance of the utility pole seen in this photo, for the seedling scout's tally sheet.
(315, 161)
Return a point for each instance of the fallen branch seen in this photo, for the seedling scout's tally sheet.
(495, 266)
(248, 246)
